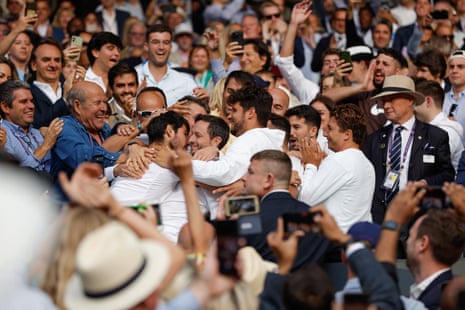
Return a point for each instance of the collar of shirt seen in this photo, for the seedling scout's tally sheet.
(15, 128)
(92, 77)
(408, 125)
(109, 21)
(119, 110)
(452, 97)
(149, 77)
(42, 29)
(274, 191)
(417, 289)
(49, 91)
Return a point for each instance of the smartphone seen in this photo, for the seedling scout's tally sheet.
(440, 14)
(354, 301)
(434, 198)
(77, 41)
(242, 205)
(228, 247)
(298, 221)
(156, 209)
(345, 55)
(238, 36)
(31, 8)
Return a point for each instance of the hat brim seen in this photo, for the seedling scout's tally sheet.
(157, 265)
(417, 97)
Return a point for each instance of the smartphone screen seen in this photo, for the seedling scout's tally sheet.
(434, 198)
(228, 247)
(242, 205)
(30, 8)
(298, 221)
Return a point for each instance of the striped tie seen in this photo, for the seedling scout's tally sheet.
(395, 161)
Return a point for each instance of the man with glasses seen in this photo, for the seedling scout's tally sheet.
(454, 102)
(24, 142)
(156, 71)
(273, 25)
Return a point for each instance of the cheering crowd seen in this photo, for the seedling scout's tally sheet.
(128, 127)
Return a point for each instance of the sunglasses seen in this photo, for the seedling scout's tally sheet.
(147, 114)
(448, 37)
(270, 17)
(459, 53)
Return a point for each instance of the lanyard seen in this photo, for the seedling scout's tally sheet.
(407, 147)
(28, 147)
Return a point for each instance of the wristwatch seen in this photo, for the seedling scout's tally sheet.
(390, 225)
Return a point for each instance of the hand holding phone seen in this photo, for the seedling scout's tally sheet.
(228, 247)
(77, 41)
(242, 205)
(31, 8)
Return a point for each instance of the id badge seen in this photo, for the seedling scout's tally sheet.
(391, 180)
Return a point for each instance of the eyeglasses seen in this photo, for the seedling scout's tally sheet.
(449, 37)
(4, 32)
(270, 17)
(147, 114)
(137, 33)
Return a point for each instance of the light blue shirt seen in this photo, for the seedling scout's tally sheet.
(459, 112)
(174, 84)
(22, 145)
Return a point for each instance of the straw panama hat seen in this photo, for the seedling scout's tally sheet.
(399, 85)
(115, 269)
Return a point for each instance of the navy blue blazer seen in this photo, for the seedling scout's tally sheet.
(312, 247)
(402, 36)
(431, 296)
(428, 140)
(121, 17)
(45, 111)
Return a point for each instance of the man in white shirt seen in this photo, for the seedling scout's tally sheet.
(430, 111)
(156, 72)
(208, 131)
(454, 102)
(249, 110)
(344, 181)
(103, 53)
(165, 132)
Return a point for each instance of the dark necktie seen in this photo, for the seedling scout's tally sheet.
(395, 161)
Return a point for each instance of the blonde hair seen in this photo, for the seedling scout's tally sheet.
(78, 222)
(56, 19)
(216, 99)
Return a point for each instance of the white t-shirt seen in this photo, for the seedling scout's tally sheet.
(154, 185)
(344, 183)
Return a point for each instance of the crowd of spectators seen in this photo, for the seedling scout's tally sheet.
(128, 129)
